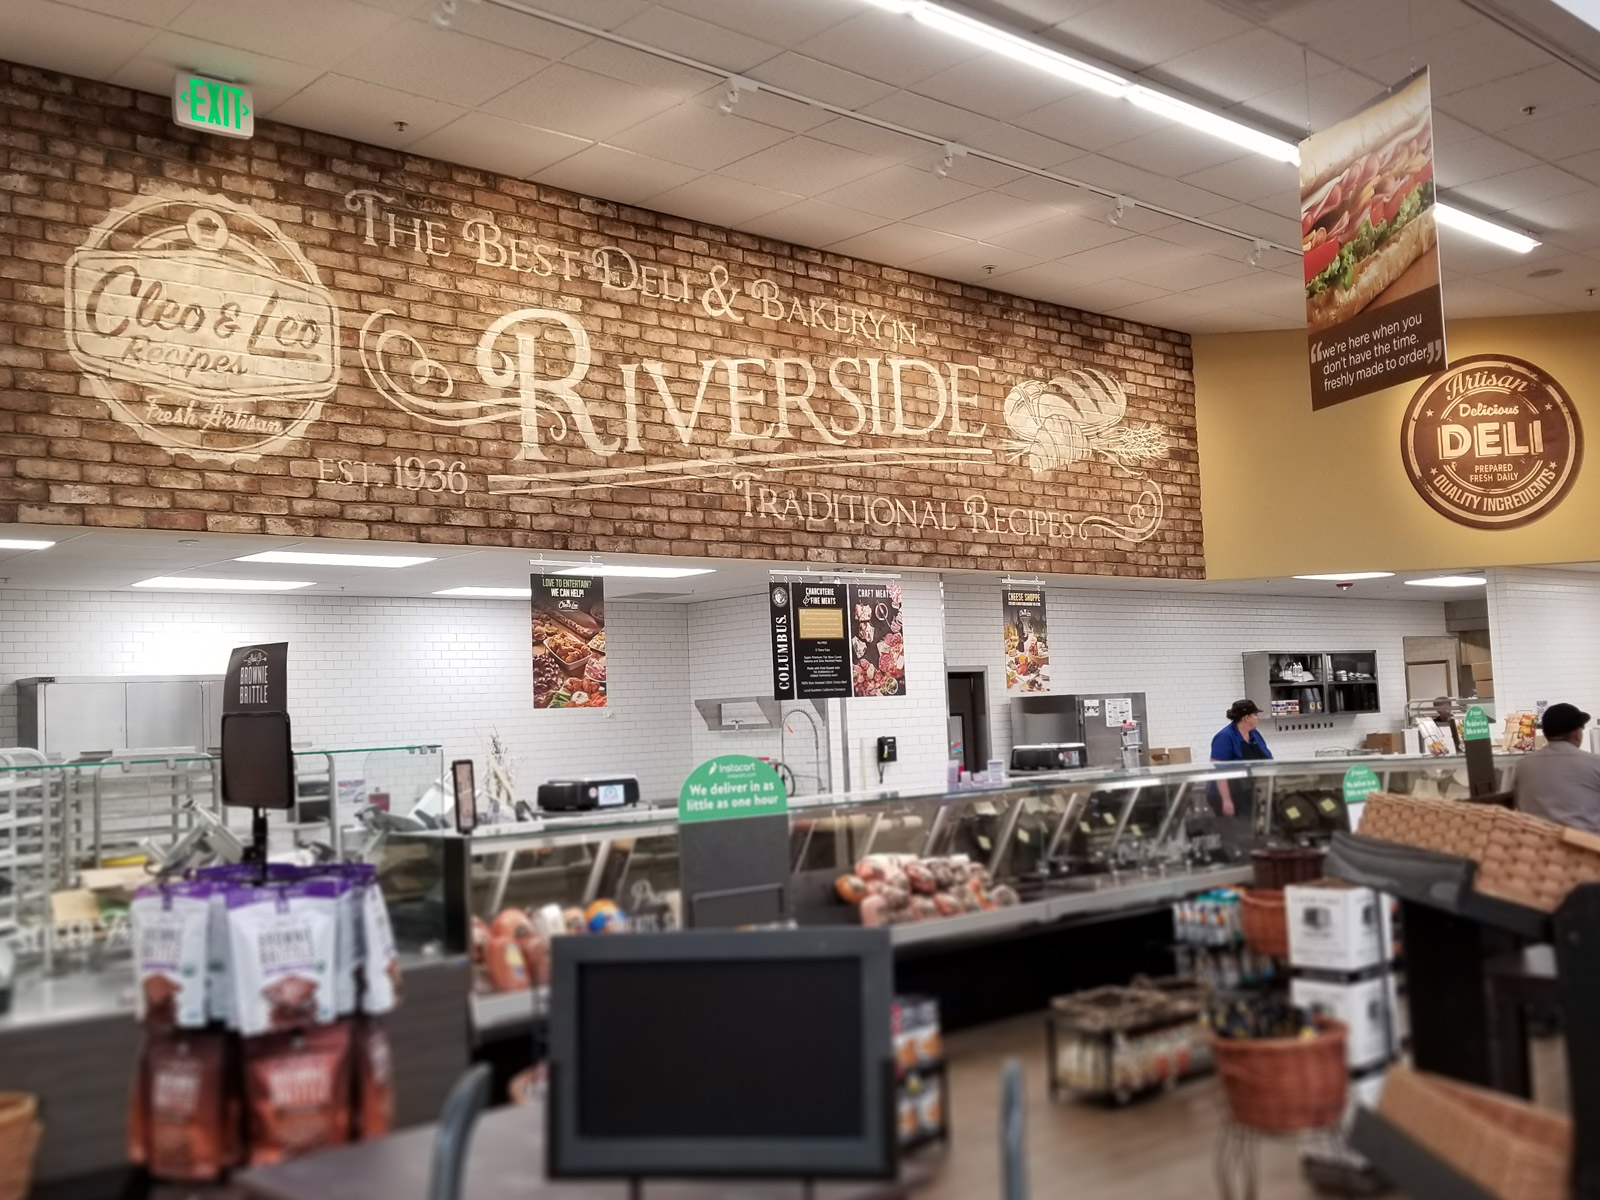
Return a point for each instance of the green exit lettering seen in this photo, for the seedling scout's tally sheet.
(213, 106)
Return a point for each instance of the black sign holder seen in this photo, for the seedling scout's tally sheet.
(257, 757)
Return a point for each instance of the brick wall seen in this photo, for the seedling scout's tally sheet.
(298, 335)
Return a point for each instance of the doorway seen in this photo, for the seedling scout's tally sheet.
(969, 719)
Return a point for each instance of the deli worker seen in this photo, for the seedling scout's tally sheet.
(1238, 741)
(1561, 782)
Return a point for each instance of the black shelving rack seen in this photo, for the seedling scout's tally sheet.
(1457, 945)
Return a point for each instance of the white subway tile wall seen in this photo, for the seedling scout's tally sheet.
(1185, 654)
(1544, 637)
(381, 672)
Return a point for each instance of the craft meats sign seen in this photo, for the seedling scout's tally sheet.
(527, 372)
(1493, 442)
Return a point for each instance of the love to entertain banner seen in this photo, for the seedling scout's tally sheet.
(569, 641)
(1374, 307)
(352, 342)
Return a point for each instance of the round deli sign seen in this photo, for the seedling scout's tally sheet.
(1493, 442)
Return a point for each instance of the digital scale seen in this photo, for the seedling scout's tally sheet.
(588, 793)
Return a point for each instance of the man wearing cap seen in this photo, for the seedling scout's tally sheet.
(1561, 782)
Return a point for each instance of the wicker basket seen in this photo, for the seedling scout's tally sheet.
(1264, 917)
(1118, 1010)
(1284, 1085)
(20, 1131)
(1277, 868)
(1509, 1148)
(1523, 859)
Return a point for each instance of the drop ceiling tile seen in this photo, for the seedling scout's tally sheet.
(1585, 166)
(897, 245)
(1278, 227)
(812, 223)
(804, 166)
(932, 117)
(783, 22)
(981, 216)
(1332, 97)
(45, 35)
(977, 171)
(364, 111)
(1172, 312)
(1090, 122)
(1049, 193)
(1142, 33)
(698, 135)
(820, 80)
(519, 31)
(1120, 260)
(1552, 88)
(615, 174)
(1479, 298)
(1479, 158)
(994, 86)
(640, 69)
(1245, 65)
(869, 139)
(1037, 15)
(1176, 151)
(1527, 186)
(1105, 295)
(579, 103)
(1249, 179)
(1575, 213)
(898, 192)
(602, 14)
(1059, 236)
(413, 56)
(1024, 146)
(1344, 29)
(891, 48)
(273, 80)
(1463, 58)
(496, 144)
(1265, 291)
(313, 32)
(1577, 132)
(700, 40)
(971, 263)
(1462, 254)
(1185, 272)
(1576, 274)
(141, 12)
(772, 109)
(717, 200)
(1198, 237)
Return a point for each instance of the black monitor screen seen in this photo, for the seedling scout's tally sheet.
(693, 1049)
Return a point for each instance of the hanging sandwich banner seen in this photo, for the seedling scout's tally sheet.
(569, 641)
(1374, 308)
(833, 640)
(1027, 639)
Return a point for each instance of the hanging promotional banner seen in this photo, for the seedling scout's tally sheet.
(1374, 308)
(1027, 639)
(257, 680)
(257, 760)
(833, 640)
(569, 641)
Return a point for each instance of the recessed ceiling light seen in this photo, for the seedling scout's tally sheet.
(1449, 581)
(1349, 576)
(619, 570)
(489, 593)
(196, 584)
(23, 544)
(307, 558)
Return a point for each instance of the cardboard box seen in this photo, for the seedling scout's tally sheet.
(1369, 1009)
(1485, 688)
(1334, 927)
(1387, 743)
(1163, 756)
(1483, 672)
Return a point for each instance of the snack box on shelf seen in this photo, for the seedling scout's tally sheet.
(1369, 1009)
(1335, 927)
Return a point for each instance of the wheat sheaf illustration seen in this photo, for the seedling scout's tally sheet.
(1074, 416)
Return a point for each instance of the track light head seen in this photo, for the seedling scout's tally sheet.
(444, 14)
(736, 85)
(952, 151)
(1257, 252)
(1119, 209)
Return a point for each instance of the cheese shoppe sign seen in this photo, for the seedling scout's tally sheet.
(1492, 443)
(1374, 308)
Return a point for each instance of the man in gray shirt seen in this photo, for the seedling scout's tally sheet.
(1562, 781)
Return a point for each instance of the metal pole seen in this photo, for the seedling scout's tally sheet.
(1013, 1133)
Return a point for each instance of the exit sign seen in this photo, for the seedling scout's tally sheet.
(213, 106)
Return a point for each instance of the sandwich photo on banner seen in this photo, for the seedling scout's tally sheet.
(1374, 310)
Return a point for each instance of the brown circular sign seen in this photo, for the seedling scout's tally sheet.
(1492, 442)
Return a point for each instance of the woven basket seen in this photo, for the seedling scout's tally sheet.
(1264, 917)
(1277, 868)
(1509, 1148)
(20, 1132)
(1118, 1009)
(1523, 859)
(1284, 1085)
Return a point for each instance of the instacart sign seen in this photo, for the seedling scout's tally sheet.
(1359, 783)
(213, 105)
(731, 785)
(1475, 725)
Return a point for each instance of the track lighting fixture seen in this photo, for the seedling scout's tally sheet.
(444, 14)
(1257, 253)
(736, 84)
(952, 151)
(1119, 209)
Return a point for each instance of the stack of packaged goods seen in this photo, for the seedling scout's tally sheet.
(512, 952)
(261, 1003)
(919, 1070)
(1211, 948)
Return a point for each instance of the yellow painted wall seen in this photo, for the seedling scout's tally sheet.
(1287, 491)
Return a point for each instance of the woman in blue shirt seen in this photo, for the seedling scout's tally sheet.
(1238, 741)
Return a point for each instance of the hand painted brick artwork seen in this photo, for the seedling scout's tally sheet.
(303, 336)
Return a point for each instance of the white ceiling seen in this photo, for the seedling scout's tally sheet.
(511, 92)
(114, 559)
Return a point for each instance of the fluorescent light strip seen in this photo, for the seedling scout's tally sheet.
(1349, 576)
(1449, 581)
(1462, 221)
(196, 584)
(489, 593)
(23, 544)
(306, 558)
(1019, 49)
(1215, 124)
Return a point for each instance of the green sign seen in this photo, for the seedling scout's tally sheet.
(1475, 725)
(213, 106)
(1359, 783)
(731, 785)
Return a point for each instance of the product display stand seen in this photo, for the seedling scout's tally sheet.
(1454, 936)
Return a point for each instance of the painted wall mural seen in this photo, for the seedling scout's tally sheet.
(416, 350)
